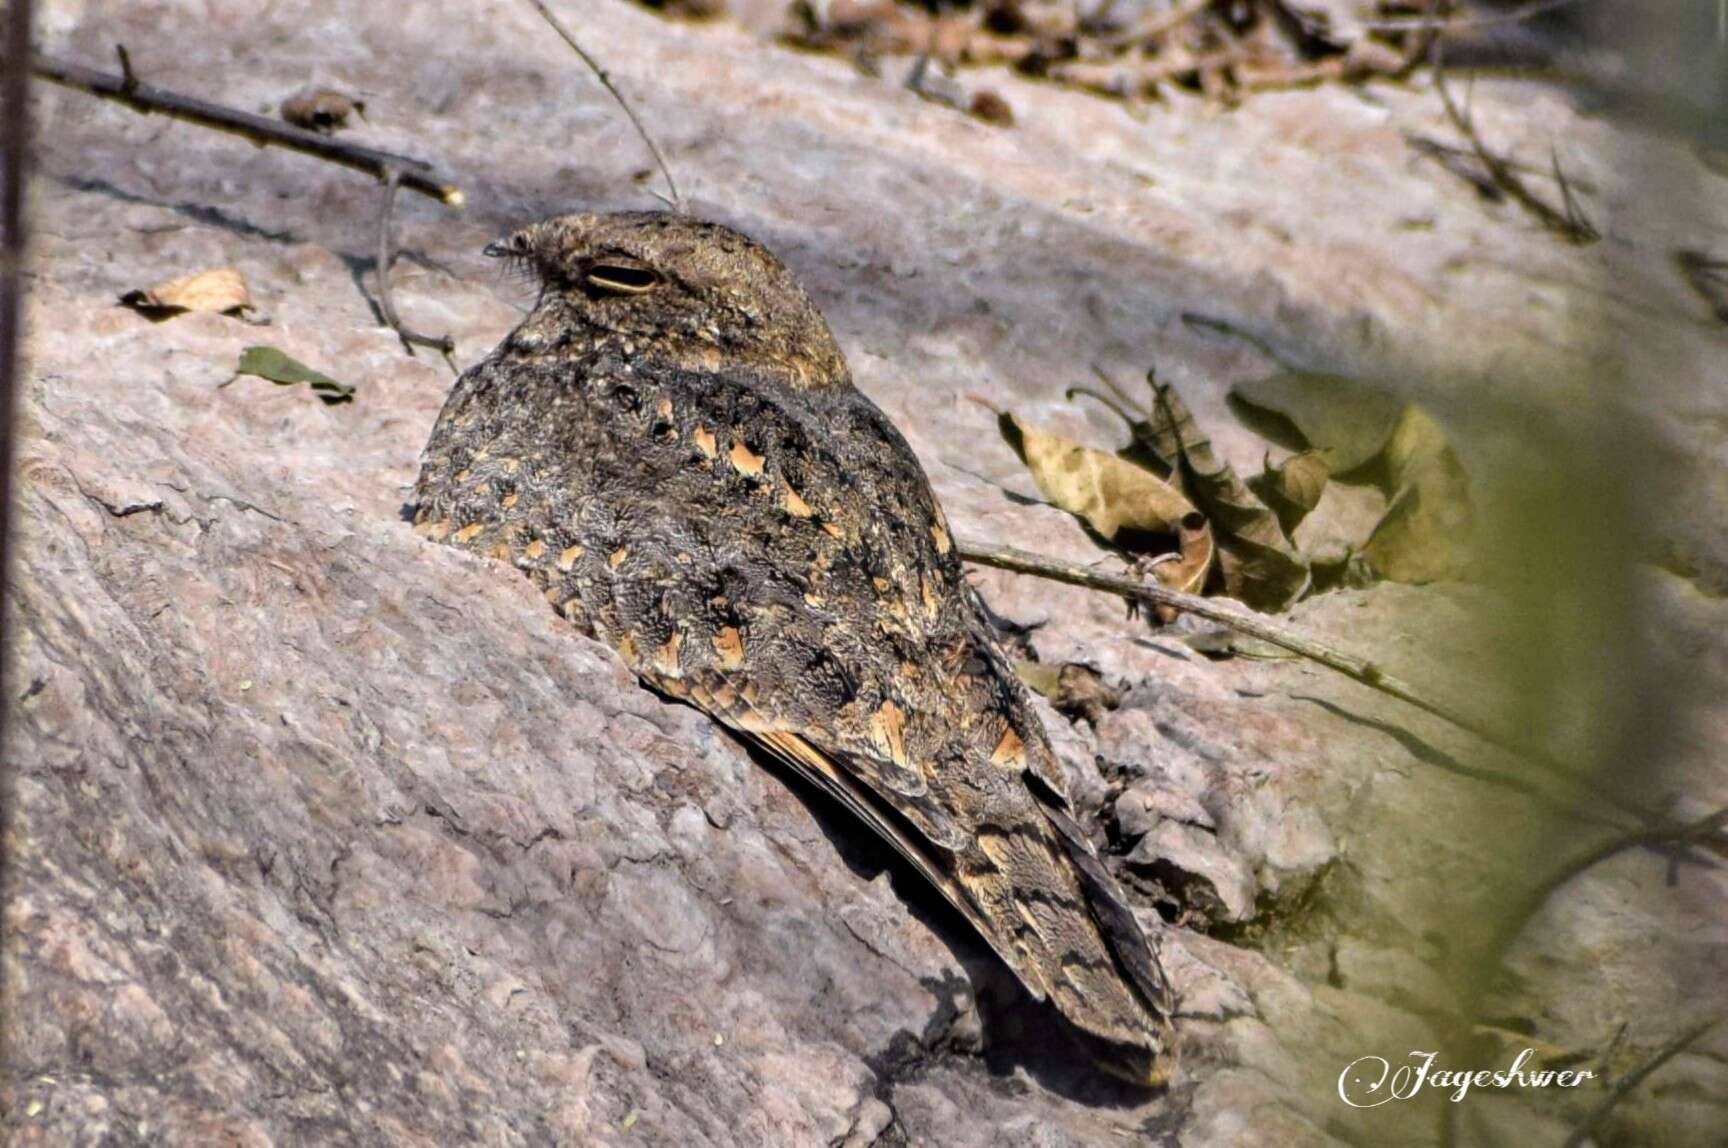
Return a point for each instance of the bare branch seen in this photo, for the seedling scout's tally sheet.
(672, 199)
(1624, 1086)
(1356, 668)
(1569, 223)
(127, 89)
(1675, 838)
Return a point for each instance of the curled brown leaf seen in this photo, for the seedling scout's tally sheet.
(1187, 569)
(1110, 494)
(1259, 564)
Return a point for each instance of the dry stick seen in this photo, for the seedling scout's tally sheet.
(1574, 228)
(1624, 1086)
(414, 174)
(1699, 833)
(443, 344)
(1679, 836)
(674, 200)
(1441, 151)
(1358, 669)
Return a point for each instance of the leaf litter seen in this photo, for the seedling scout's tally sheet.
(1181, 514)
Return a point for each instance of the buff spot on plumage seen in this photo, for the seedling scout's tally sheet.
(744, 460)
(888, 731)
(729, 646)
(666, 657)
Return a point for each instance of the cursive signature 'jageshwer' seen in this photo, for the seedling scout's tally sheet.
(1370, 1081)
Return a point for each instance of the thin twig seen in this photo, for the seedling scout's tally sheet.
(1420, 23)
(1237, 618)
(1671, 836)
(1569, 224)
(1607, 1057)
(1624, 1086)
(1356, 668)
(411, 338)
(126, 88)
(1444, 153)
(672, 199)
(1105, 401)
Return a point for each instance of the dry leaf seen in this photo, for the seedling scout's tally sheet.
(1261, 568)
(1187, 569)
(1347, 420)
(321, 109)
(1293, 488)
(1417, 443)
(1425, 534)
(1109, 493)
(989, 106)
(220, 289)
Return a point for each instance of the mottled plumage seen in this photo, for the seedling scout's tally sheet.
(670, 445)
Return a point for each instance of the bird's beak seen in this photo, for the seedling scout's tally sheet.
(497, 249)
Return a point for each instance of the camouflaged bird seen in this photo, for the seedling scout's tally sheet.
(670, 445)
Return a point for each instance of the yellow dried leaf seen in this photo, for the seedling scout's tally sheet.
(1425, 532)
(1077, 692)
(1416, 443)
(1293, 488)
(220, 289)
(1109, 493)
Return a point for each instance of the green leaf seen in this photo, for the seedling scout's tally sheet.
(285, 370)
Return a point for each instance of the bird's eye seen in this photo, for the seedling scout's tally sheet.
(519, 244)
(621, 280)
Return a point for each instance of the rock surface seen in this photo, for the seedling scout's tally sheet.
(321, 834)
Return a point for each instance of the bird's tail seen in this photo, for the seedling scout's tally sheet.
(1060, 922)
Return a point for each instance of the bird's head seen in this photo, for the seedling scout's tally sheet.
(672, 285)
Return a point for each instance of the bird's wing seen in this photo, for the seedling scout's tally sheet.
(785, 568)
(839, 783)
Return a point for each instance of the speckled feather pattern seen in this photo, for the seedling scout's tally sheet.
(670, 446)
